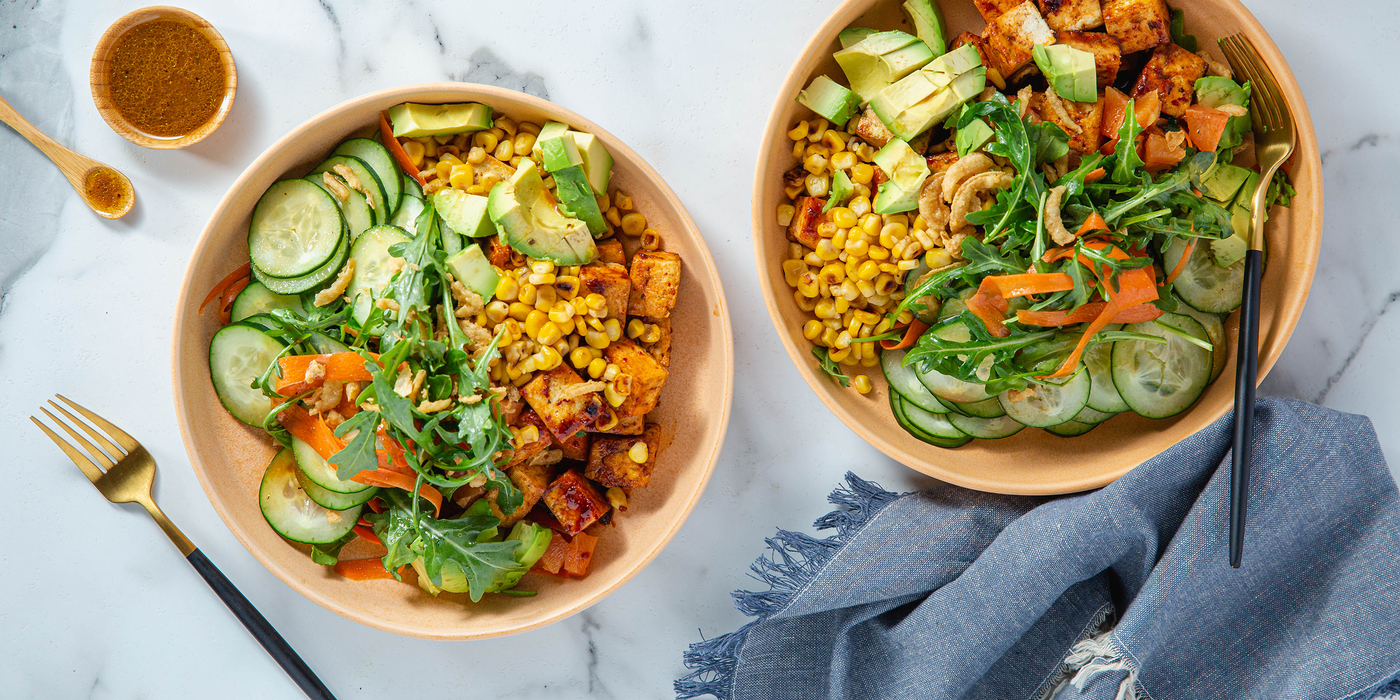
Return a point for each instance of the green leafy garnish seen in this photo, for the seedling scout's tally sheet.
(833, 369)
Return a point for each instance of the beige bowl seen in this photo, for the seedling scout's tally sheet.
(1034, 461)
(229, 457)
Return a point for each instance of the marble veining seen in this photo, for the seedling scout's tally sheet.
(95, 604)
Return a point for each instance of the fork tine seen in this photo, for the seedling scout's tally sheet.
(97, 455)
(126, 441)
(1268, 86)
(89, 469)
(1265, 113)
(94, 433)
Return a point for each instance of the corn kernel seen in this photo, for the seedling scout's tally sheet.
(832, 274)
(635, 328)
(831, 139)
(838, 354)
(826, 250)
(825, 309)
(528, 293)
(839, 240)
(878, 253)
(829, 337)
(596, 367)
(596, 338)
(613, 328)
(811, 258)
(497, 311)
(523, 143)
(476, 155)
(857, 248)
(842, 217)
(785, 214)
(485, 140)
(886, 284)
(807, 284)
(562, 311)
(815, 164)
(844, 160)
(891, 234)
(604, 202)
(862, 173)
(818, 128)
(519, 311)
(638, 452)
(613, 398)
(545, 298)
(550, 333)
(580, 357)
(862, 384)
(868, 270)
(614, 216)
(633, 224)
(812, 329)
(623, 202)
(850, 291)
(937, 258)
(817, 185)
(796, 151)
(799, 132)
(566, 327)
(414, 150)
(803, 301)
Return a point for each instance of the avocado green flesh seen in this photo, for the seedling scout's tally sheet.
(841, 188)
(1217, 91)
(534, 540)
(1070, 71)
(1224, 181)
(464, 213)
(880, 59)
(851, 36)
(830, 99)
(917, 118)
(907, 171)
(556, 147)
(973, 136)
(529, 223)
(927, 96)
(927, 18)
(576, 199)
(470, 266)
(411, 120)
(597, 162)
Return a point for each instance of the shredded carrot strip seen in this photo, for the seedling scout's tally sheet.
(1030, 283)
(1181, 264)
(242, 272)
(362, 569)
(990, 306)
(226, 303)
(385, 478)
(366, 533)
(340, 367)
(392, 143)
(912, 332)
(1141, 313)
(1095, 175)
(311, 430)
(1095, 222)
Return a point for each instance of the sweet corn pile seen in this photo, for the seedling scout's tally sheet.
(855, 275)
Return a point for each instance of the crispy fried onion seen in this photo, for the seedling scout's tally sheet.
(966, 167)
(1023, 101)
(931, 205)
(968, 197)
(1214, 67)
(1234, 110)
(1053, 223)
(1057, 106)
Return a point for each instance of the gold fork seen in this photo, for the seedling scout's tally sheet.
(123, 471)
(1274, 141)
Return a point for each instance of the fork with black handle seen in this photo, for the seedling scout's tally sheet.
(1274, 141)
(123, 471)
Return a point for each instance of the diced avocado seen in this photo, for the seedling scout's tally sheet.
(1228, 251)
(451, 240)
(882, 58)
(470, 266)
(556, 147)
(1068, 70)
(412, 120)
(481, 508)
(907, 171)
(1224, 181)
(464, 213)
(927, 18)
(534, 541)
(1245, 197)
(576, 199)
(1216, 91)
(840, 190)
(597, 162)
(529, 223)
(973, 136)
(830, 99)
(907, 117)
(851, 36)
(426, 583)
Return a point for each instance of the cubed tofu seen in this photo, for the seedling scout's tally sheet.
(1107, 56)
(573, 447)
(1172, 73)
(656, 280)
(611, 281)
(870, 129)
(543, 439)
(562, 412)
(661, 349)
(1085, 119)
(1071, 15)
(610, 251)
(1138, 25)
(532, 480)
(574, 502)
(1012, 35)
(628, 425)
(805, 220)
(939, 162)
(610, 460)
(992, 9)
(497, 252)
(648, 376)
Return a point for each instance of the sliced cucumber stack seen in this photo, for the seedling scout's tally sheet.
(1071, 428)
(1048, 404)
(296, 229)
(320, 472)
(1160, 381)
(258, 299)
(1103, 395)
(355, 208)
(986, 428)
(1215, 332)
(386, 170)
(372, 266)
(952, 388)
(406, 217)
(928, 427)
(318, 277)
(238, 356)
(292, 513)
(1203, 284)
(410, 186)
(331, 500)
(366, 179)
(991, 408)
(904, 382)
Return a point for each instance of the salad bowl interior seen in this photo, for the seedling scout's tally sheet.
(229, 457)
(1035, 462)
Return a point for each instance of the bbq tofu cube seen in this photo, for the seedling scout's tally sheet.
(803, 228)
(611, 281)
(940, 162)
(564, 410)
(872, 130)
(656, 279)
(574, 447)
(1011, 36)
(611, 463)
(661, 347)
(497, 252)
(648, 376)
(610, 251)
(1107, 56)
(532, 480)
(1083, 122)
(1172, 73)
(1071, 15)
(529, 443)
(1138, 25)
(574, 502)
(992, 9)
(629, 425)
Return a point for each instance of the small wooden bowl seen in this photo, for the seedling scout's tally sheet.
(230, 457)
(1034, 462)
(102, 61)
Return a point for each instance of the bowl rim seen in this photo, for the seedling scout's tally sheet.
(849, 11)
(101, 91)
(622, 152)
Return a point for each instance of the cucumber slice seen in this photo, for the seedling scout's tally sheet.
(406, 217)
(1159, 381)
(325, 345)
(1215, 331)
(320, 472)
(952, 388)
(947, 436)
(365, 177)
(1072, 428)
(1049, 404)
(295, 229)
(372, 271)
(991, 408)
(238, 355)
(1203, 284)
(330, 499)
(1092, 417)
(929, 316)
(904, 382)
(258, 299)
(986, 428)
(263, 321)
(355, 208)
(1103, 395)
(377, 157)
(292, 513)
(297, 285)
(411, 188)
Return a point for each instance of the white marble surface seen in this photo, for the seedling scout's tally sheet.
(95, 603)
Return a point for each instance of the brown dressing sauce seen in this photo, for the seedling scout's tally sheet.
(166, 78)
(106, 190)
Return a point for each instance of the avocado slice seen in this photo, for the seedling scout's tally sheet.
(464, 213)
(928, 96)
(1068, 70)
(830, 99)
(1224, 181)
(413, 120)
(576, 199)
(850, 36)
(927, 18)
(597, 162)
(841, 188)
(878, 60)
(470, 266)
(1216, 91)
(972, 137)
(522, 211)
(556, 148)
(907, 171)
(1228, 251)
(534, 541)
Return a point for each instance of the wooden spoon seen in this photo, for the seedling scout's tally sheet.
(104, 189)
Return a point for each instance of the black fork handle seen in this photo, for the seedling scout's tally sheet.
(1246, 375)
(273, 642)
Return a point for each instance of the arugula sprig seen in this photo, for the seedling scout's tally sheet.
(831, 367)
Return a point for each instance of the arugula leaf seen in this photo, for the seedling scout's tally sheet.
(832, 368)
(329, 554)
(454, 547)
(1126, 161)
(1178, 31)
(359, 455)
(1013, 142)
(1280, 192)
(1051, 142)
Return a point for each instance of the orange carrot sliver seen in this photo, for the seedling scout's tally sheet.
(1141, 313)
(340, 367)
(391, 142)
(226, 303)
(1110, 310)
(242, 272)
(366, 533)
(1095, 222)
(990, 306)
(311, 430)
(1181, 264)
(912, 332)
(362, 569)
(1030, 283)
(384, 478)
(1095, 175)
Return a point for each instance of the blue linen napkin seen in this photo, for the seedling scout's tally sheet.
(1116, 594)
